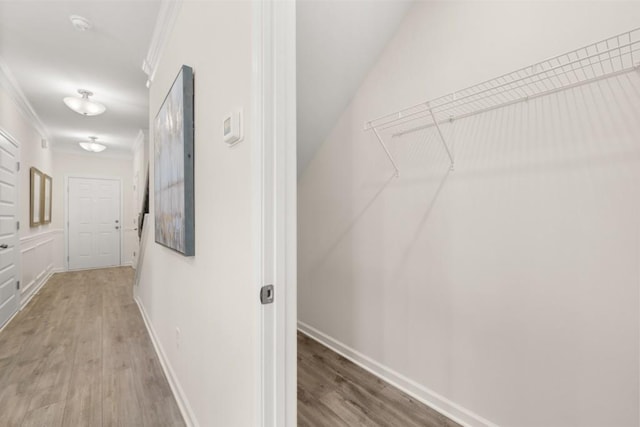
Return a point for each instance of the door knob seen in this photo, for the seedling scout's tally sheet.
(4, 246)
(117, 228)
(117, 221)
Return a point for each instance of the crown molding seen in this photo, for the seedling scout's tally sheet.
(10, 84)
(167, 16)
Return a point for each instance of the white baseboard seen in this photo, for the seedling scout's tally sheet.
(23, 304)
(95, 268)
(430, 398)
(178, 393)
(38, 286)
(9, 320)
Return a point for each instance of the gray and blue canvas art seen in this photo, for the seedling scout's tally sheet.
(173, 173)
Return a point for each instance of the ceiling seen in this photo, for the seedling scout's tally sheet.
(50, 60)
(338, 43)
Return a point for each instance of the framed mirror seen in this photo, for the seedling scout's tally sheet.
(47, 183)
(35, 205)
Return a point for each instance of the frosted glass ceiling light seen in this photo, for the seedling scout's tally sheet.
(92, 146)
(84, 105)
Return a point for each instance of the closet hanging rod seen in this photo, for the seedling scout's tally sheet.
(607, 58)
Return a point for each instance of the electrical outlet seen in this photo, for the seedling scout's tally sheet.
(178, 338)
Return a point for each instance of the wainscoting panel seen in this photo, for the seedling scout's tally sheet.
(40, 257)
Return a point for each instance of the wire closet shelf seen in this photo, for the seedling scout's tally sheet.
(614, 56)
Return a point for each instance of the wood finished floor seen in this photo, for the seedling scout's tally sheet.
(79, 355)
(332, 391)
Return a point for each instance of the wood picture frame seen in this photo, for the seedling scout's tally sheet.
(46, 203)
(35, 199)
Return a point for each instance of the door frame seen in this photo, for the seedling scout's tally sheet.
(18, 244)
(274, 184)
(66, 213)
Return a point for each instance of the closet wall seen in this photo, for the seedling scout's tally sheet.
(506, 291)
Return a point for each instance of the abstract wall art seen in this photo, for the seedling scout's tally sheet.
(173, 167)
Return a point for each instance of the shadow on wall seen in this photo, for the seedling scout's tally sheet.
(347, 231)
(447, 284)
(431, 203)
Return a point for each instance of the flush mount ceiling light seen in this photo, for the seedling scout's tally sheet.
(80, 23)
(84, 105)
(92, 146)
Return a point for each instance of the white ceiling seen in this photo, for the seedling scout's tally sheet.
(338, 42)
(51, 60)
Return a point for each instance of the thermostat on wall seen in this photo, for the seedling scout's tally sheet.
(232, 127)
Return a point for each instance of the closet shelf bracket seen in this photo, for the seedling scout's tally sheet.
(387, 152)
(442, 138)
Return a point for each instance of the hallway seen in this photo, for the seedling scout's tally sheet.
(80, 355)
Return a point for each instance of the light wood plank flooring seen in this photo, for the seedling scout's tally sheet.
(332, 391)
(79, 355)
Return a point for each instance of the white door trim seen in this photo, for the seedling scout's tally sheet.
(274, 199)
(65, 190)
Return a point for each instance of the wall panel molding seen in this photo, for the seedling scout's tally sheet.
(39, 236)
(37, 261)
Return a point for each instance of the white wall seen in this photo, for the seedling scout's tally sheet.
(96, 165)
(210, 297)
(331, 64)
(506, 291)
(37, 244)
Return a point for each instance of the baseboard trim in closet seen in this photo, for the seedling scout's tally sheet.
(178, 393)
(430, 398)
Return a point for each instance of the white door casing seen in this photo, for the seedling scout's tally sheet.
(9, 242)
(275, 187)
(94, 226)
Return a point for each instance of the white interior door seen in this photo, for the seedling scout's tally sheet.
(9, 294)
(94, 223)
